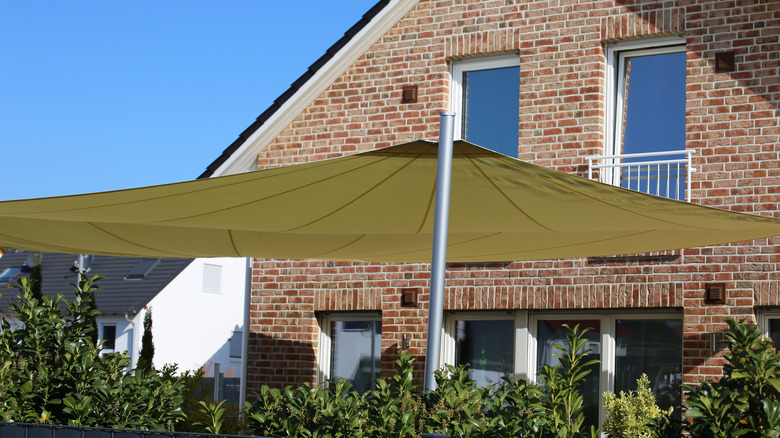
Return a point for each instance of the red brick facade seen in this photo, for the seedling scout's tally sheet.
(731, 122)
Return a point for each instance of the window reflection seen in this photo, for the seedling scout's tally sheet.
(355, 352)
(654, 103)
(488, 348)
(653, 120)
(551, 332)
(653, 347)
(491, 108)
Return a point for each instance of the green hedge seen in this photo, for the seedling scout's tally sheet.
(51, 370)
(398, 408)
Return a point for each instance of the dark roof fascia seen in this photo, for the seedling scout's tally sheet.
(279, 102)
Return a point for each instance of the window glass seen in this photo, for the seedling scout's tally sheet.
(109, 337)
(774, 332)
(650, 105)
(491, 108)
(654, 103)
(487, 347)
(653, 347)
(355, 352)
(551, 332)
(9, 273)
(142, 269)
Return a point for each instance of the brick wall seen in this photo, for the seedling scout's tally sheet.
(732, 122)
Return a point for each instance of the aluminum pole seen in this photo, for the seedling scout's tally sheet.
(439, 259)
(245, 336)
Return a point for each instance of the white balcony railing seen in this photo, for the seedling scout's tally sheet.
(666, 174)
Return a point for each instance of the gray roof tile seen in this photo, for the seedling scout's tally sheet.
(117, 294)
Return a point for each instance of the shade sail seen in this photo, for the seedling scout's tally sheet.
(375, 206)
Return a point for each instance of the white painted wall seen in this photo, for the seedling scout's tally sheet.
(126, 333)
(193, 327)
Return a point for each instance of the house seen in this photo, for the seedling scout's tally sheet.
(196, 304)
(578, 86)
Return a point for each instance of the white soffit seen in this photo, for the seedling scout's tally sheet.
(244, 159)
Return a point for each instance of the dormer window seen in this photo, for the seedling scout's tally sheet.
(9, 273)
(142, 269)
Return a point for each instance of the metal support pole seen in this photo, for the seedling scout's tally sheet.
(439, 259)
(245, 335)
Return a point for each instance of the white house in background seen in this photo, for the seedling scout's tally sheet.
(197, 305)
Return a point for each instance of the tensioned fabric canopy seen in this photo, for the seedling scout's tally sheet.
(375, 206)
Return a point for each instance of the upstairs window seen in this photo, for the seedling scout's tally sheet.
(646, 117)
(485, 99)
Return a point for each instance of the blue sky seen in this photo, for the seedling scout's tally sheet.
(98, 95)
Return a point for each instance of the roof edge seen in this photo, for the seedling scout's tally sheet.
(241, 154)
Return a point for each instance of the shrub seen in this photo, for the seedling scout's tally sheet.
(746, 400)
(307, 411)
(396, 407)
(457, 407)
(198, 417)
(51, 370)
(563, 387)
(631, 415)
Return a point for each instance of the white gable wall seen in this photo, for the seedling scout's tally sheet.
(193, 327)
(127, 333)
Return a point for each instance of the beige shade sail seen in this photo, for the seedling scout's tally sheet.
(375, 206)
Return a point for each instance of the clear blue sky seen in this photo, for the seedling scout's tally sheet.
(105, 95)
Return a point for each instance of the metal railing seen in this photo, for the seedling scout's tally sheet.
(655, 173)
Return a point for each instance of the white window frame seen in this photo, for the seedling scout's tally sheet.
(526, 338)
(615, 74)
(764, 318)
(520, 317)
(326, 344)
(458, 67)
(607, 323)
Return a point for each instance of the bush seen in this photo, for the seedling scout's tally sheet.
(457, 407)
(746, 400)
(632, 414)
(51, 370)
(306, 411)
(563, 387)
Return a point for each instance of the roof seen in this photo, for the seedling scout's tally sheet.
(304, 78)
(119, 292)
